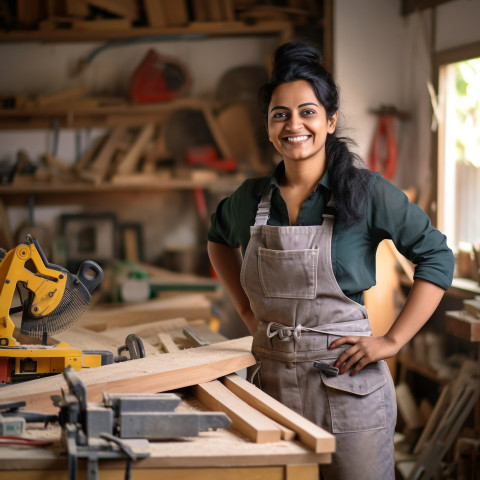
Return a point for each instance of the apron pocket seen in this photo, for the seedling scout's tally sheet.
(357, 403)
(288, 273)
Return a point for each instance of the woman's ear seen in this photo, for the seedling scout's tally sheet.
(332, 123)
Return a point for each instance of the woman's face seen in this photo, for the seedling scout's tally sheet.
(297, 122)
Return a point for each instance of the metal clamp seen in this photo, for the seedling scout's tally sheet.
(328, 370)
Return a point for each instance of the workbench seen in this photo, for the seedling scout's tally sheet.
(222, 454)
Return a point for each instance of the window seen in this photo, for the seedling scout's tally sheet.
(459, 152)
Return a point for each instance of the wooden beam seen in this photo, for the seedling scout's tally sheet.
(309, 434)
(131, 159)
(249, 421)
(145, 375)
(167, 343)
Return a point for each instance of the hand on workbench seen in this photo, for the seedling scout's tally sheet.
(363, 350)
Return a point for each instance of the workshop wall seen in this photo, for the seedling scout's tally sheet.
(380, 58)
(35, 68)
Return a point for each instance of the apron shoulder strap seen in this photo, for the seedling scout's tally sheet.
(263, 209)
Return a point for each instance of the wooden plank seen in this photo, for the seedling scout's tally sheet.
(472, 306)
(189, 307)
(77, 8)
(61, 96)
(84, 339)
(167, 343)
(200, 10)
(132, 157)
(176, 12)
(104, 323)
(309, 434)
(100, 165)
(463, 325)
(155, 13)
(301, 472)
(122, 8)
(145, 375)
(250, 422)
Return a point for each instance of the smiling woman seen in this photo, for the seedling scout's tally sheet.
(297, 126)
(308, 235)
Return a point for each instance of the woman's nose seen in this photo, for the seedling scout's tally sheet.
(293, 123)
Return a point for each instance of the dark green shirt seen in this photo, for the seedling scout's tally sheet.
(389, 215)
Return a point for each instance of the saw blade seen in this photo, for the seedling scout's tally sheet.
(72, 306)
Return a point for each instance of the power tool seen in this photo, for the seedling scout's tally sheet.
(56, 299)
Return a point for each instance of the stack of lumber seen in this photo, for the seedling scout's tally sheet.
(121, 15)
(209, 370)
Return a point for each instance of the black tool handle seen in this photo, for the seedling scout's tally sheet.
(84, 274)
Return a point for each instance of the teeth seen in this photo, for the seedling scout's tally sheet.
(297, 139)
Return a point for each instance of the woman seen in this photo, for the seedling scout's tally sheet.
(308, 236)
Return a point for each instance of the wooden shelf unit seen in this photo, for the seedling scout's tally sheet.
(194, 30)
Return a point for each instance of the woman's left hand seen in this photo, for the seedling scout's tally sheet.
(362, 351)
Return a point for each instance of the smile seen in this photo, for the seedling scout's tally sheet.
(299, 139)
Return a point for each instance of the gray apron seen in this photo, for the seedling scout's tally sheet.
(288, 277)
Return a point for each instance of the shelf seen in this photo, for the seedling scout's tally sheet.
(195, 31)
(463, 325)
(72, 193)
(92, 112)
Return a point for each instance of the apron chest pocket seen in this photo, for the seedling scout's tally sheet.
(357, 402)
(288, 273)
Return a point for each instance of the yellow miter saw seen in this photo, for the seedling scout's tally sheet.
(56, 299)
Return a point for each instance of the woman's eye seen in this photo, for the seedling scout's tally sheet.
(279, 115)
(309, 112)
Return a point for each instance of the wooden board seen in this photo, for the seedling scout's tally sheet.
(145, 375)
(166, 343)
(131, 159)
(155, 13)
(463, 325)
(309, 434)
(250, 422)
(189, 307)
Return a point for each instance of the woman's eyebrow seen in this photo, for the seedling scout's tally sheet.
(308, 103)
(281, 107)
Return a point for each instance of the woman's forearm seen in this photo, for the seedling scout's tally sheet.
(227, 262)
(421, 303)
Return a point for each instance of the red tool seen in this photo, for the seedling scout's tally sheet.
(207, 156)
(158, 78)
(383, 153)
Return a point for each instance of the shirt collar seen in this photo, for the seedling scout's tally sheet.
(279, 171)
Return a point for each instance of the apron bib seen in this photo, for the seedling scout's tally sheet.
(288, 277)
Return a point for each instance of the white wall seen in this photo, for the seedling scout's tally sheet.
(382, 57)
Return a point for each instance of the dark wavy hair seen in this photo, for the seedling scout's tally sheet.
(302, 61)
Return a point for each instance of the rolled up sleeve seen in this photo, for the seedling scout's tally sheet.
(392, 216)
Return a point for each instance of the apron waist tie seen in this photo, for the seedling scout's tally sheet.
(285, 332)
